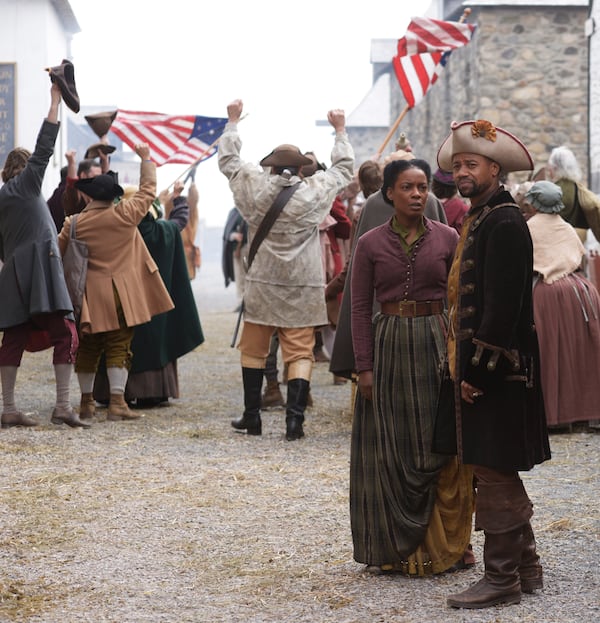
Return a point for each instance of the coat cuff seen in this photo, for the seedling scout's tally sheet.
(488, 364)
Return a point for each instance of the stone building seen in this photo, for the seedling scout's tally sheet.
(526, 70)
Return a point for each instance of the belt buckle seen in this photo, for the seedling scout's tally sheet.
(408, 309)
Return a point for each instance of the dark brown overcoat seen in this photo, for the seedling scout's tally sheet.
(506, 428)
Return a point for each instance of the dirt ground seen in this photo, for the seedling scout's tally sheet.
(177, 518)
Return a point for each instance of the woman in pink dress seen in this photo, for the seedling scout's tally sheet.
(566, 309)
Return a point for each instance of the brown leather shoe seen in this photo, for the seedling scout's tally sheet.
(484, 594)
(118, 409)
(309, 400)
(61, 415)
(320, 355)
(272, 396)
(17, 419)
(87, 407)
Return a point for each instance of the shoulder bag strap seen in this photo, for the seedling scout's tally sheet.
(72, 231)
(270, 217)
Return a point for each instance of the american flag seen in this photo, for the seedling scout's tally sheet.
(423, 53)
(173, 139)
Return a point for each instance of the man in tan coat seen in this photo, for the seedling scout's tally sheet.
(123, 286)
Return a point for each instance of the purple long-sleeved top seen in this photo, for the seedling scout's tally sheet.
(381, 269)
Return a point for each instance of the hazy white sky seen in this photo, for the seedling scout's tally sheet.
(289, 62)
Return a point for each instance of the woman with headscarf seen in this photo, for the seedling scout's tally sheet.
(566, 309)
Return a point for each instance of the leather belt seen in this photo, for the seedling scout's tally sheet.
(411, 309)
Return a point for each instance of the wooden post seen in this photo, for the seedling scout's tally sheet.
(391, 132)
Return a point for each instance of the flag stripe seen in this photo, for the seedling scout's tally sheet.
(171, 138)
(430, 35)
(423, 53)
(416, 74)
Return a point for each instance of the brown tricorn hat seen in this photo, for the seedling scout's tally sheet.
(63, 75)
(93, 151)
(100, 122)
(483, 138)
(285, 155)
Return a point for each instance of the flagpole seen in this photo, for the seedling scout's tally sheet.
(202, 157)
(391, 132)
(197, 162)
(401, 116)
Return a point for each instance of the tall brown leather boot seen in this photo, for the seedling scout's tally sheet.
(500, 583)
(530, 569)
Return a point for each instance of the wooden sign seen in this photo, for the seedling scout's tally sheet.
(7, 109)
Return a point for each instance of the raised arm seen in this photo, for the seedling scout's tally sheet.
(337, 119)
(55, 99)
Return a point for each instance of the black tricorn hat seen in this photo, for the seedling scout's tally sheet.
(63, 75)
(102, 187)
(100, 122)
(285, 156)
(93, 151)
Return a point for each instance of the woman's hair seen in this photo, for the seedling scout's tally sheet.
(370, 177)
(563, 164)
(15, 163)
(396, 167)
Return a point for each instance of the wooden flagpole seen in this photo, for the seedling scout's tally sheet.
(401, 116)
(391, 132)
(202, 157)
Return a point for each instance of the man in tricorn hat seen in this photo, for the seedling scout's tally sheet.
(284, 288)
(493, 359)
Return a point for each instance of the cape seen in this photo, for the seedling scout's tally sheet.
(170, 335)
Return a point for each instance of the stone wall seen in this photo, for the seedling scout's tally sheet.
(525, 70)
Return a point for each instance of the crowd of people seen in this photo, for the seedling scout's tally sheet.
(459, 313)
(137, 313)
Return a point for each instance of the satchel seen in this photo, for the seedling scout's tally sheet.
(75, 262)
(261, 233)
(444, 431)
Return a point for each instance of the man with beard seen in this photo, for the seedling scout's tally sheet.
(493, 359)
